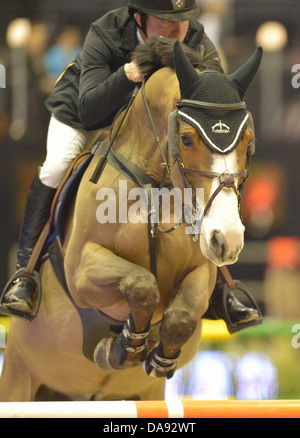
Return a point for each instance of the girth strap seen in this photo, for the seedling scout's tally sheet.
(152, 233)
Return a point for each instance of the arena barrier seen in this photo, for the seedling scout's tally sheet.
(153, 409)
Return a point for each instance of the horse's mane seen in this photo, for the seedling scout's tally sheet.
(157, 52)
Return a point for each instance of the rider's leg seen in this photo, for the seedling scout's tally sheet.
(63, 145)
(20, 296)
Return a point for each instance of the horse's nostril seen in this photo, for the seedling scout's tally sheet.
(218, 242)
(216, 236)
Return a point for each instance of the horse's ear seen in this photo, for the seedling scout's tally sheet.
(245, 74)
(186, 74)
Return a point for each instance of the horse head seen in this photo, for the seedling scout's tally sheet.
(211, 147)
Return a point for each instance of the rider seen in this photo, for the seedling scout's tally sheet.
(86, 98)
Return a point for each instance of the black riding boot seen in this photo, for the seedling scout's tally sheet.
(224, 305)
(21, 293)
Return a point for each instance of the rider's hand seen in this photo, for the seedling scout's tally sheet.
(133, 72)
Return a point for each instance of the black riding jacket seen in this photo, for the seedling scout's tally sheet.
(92, 89)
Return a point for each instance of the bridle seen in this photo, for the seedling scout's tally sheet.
(225, 179)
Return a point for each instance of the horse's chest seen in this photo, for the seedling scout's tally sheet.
(175, 252)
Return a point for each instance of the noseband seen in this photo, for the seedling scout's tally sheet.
(225, 179)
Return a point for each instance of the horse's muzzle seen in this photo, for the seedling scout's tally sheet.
(222, 248)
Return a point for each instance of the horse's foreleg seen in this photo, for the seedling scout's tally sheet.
(139, 288)
(180, 320)
(102, 280)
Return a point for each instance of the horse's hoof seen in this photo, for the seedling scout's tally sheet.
(158, 366)
(105, 359)
(102, 353)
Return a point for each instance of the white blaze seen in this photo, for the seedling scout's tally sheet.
(222, 232)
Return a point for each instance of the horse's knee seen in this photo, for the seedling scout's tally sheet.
(177, 326)
(140, 290)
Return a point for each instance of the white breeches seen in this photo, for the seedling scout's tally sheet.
(63, 145)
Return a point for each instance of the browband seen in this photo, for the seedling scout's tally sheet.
(211, 106)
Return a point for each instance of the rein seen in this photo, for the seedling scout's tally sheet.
(103, 158)
(166, 166)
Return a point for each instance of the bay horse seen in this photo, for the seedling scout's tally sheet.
(112, 328)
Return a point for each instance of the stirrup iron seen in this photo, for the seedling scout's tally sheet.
(229, 287)
(234, 328)
(6, 311)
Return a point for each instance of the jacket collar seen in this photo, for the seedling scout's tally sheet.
(129, 38)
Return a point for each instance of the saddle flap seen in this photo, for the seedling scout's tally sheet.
(66, 192)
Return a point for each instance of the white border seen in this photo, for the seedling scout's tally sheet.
(208, 139)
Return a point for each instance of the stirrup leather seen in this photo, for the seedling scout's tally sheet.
(4, 310)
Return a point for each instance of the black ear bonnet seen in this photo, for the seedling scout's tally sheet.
(212, 102)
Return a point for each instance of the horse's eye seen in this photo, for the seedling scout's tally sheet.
(187, 140)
